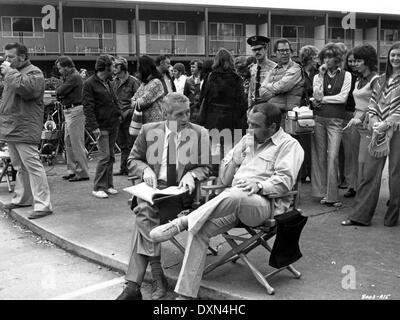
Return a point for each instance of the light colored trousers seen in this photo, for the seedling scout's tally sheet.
(368, 193)
(217, 216)
(74, 138)
(351, 143)
(31, 186)
(325, 144)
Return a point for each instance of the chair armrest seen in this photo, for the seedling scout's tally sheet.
(277, 196)
(214, 187)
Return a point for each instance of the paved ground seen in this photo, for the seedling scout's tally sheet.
(101, 230)
(36, 269)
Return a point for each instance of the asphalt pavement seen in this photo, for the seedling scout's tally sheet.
(338, 262)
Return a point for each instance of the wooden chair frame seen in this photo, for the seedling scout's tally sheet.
(242, 245)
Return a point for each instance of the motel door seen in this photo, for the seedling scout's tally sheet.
(122, 36)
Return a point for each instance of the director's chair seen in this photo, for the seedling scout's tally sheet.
(241, 245)
(6, 167)
(195, 204)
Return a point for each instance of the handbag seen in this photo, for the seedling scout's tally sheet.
(137, 122)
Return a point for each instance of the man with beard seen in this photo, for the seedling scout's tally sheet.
(21, 122)
(259, 70)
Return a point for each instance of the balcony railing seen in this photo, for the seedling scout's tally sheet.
(189, 45)
(37, 46)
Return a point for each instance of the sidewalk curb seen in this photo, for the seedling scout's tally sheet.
(205, 292)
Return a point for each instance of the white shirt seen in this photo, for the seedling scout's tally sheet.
(162, 175)
(180, 83)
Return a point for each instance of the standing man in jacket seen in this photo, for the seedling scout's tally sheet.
(70, 94)
(103, 115)
(163, 64)
(21, 122)
(259, 70)
(124, 86)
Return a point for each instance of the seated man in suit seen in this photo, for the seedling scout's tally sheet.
(165, 153)
(260, 164)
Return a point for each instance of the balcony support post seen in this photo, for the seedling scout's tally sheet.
(137, 35)
(61, 28)
(378, 41)
(206, 35)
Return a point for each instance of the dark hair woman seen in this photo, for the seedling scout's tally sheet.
(348, 153)
(149, 95)
(224, 105)
(384, 121)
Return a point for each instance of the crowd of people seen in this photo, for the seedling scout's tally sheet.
(357, 120)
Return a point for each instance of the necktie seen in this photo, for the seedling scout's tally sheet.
(171, 160)
(258, 84)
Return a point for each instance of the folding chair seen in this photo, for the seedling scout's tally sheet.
(196, 203)
(6, 164)
(255, 237)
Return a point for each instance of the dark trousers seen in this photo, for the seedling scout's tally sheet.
(305, 142)
(104, 170)
(368, 192)
(125, 142)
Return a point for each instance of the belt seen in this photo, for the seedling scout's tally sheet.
(72, 105)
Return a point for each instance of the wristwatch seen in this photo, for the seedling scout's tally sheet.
(260, 187)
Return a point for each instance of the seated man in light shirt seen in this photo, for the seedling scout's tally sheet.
(265, 163)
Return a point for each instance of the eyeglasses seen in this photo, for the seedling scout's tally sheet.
(282, 51)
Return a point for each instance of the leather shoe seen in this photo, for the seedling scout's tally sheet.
(75, 179)
(166, 231)
(10, 206)
(68, 176)
(160, 287)
(349, 222)
(131, 292)
(350, 193)
(39, 214)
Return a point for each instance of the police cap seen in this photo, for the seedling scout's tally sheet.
(257, 41)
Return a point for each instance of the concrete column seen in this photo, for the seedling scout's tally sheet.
(206, 35)
(269, 32)
(61, 27)
(326, 27)
(137, 35)
(378, 41)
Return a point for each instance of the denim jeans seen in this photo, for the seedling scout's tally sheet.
(351, 143)
(104, 170)
(125, 142)
(74, 138)
(325, 144)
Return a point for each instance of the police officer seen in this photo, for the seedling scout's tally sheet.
(259, 70)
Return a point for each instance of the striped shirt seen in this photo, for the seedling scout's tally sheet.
(385, 101)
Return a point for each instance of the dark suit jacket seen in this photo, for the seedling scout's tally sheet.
(149, 145)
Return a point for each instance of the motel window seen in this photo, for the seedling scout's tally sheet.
(30, 27)
(340, 34)
(292, 33)
(389, 36)
(166, 30)
(226, 31)
(92, 28)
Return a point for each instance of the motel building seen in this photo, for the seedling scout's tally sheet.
(86, 29)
